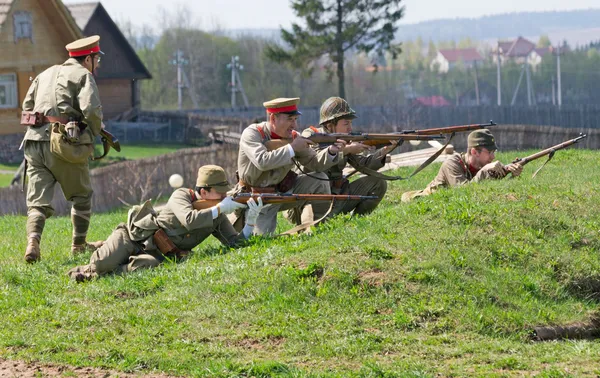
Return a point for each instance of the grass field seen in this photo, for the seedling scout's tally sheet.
(449, 285)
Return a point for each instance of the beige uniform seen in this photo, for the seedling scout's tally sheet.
(259, 167)
(68, 90)
(130, 246)
(453, 172)
(364, 186)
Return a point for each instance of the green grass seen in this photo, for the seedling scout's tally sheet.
(5, 180)
(9, 167)
(447, 285)
(133, 152)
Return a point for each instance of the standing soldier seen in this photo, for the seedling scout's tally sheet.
(475, 165)
(264, 171)
(336, 116)
(62, 100)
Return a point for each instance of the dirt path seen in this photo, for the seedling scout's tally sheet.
(19, 369)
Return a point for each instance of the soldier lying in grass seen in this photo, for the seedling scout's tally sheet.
(150, 236)
(475, 165)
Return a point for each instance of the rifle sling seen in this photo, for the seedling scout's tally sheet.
(304, 226)
(373, 173)
(106, 147)
(550, 156)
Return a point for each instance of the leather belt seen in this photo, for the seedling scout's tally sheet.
(52, 119)
(257, 189)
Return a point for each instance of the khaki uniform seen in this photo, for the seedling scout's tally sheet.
(259, 167)
(130, 246)
(75, 95)
(364, 186)
(453, 172)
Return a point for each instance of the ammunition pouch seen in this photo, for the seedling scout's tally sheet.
(31, 119)
(287, 183)
(76, 150)
(166, 246)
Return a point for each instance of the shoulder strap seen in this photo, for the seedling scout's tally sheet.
(261, 131)
(314, 129)
(294, 134)
(193, 194)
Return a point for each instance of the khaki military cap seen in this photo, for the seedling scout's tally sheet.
(283, 105)
(213, 176)
(84, 46)
(482, 138)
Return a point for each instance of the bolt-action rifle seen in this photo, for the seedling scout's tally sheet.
(548, 151)
(268, 198)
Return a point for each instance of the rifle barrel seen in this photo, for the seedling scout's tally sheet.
(550, 150)
(450, 129)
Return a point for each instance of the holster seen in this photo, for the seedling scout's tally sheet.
(166, 246)
(340, 185)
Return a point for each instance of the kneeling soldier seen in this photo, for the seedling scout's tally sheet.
(336, 117)
(173, 231)
(62, 95)
(475, 165)
(263, 171)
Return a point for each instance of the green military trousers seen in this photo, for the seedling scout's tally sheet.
(305, 184)
(119, 255)
(364, 186)
(44, 170)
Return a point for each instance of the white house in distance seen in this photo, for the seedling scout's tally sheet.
(447, 59)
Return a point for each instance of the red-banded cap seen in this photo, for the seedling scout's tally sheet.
(283, 105)
(84, 46)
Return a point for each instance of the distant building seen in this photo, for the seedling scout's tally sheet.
(433, 101)
(517, 50)
(447, 59)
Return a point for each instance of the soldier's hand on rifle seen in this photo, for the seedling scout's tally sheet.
(355, 148)
(495, 169)
(300, 144)
(387, 149)
(254, 208)
(514, 168)
(102, 126)
(337, 147)
(228, 205)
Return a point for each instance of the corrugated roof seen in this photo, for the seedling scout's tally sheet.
(4, 9)
(465, 55)
(82, 12)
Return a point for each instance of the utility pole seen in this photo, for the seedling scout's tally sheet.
(499, 91)
(236, 81)
(558, 75)
(553, 91)
(476, 83)
(179, 61)
(528, 79)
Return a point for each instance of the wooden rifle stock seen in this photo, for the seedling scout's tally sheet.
(268, 198)
(450, 129)
(368, 139)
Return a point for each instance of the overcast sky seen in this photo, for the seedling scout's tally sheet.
(242, 14)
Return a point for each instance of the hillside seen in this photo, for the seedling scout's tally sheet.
(578, 27)
(450, 285)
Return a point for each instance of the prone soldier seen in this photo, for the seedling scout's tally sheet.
(150, 236)
(473, 166)
(63, 113)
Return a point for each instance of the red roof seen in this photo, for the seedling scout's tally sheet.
(517, 48)
(465, 55)
(431, 101)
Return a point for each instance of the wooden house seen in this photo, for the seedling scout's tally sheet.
(121, 70)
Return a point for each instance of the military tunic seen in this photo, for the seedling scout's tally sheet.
(364, 186)
(73, 95)
(259, 167)
(130, 246)
(453, 172)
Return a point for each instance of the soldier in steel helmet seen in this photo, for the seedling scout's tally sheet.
(63, 95)
(473, 166)
(336, 116)
(150, 236)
